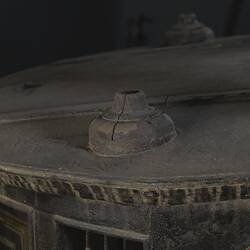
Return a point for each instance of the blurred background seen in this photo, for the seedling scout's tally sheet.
(41, 31)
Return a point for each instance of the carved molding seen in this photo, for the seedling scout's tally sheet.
(150, 195)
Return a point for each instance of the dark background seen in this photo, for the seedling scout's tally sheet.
(35, 32)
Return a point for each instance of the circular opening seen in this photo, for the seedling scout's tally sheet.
(130, 92)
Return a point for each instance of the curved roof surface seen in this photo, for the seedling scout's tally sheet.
(221, 65)
(213, 140)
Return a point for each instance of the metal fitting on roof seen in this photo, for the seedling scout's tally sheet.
(187, 30)
(130, 126)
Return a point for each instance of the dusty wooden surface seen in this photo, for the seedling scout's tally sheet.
(213, 139)
(213, 136)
